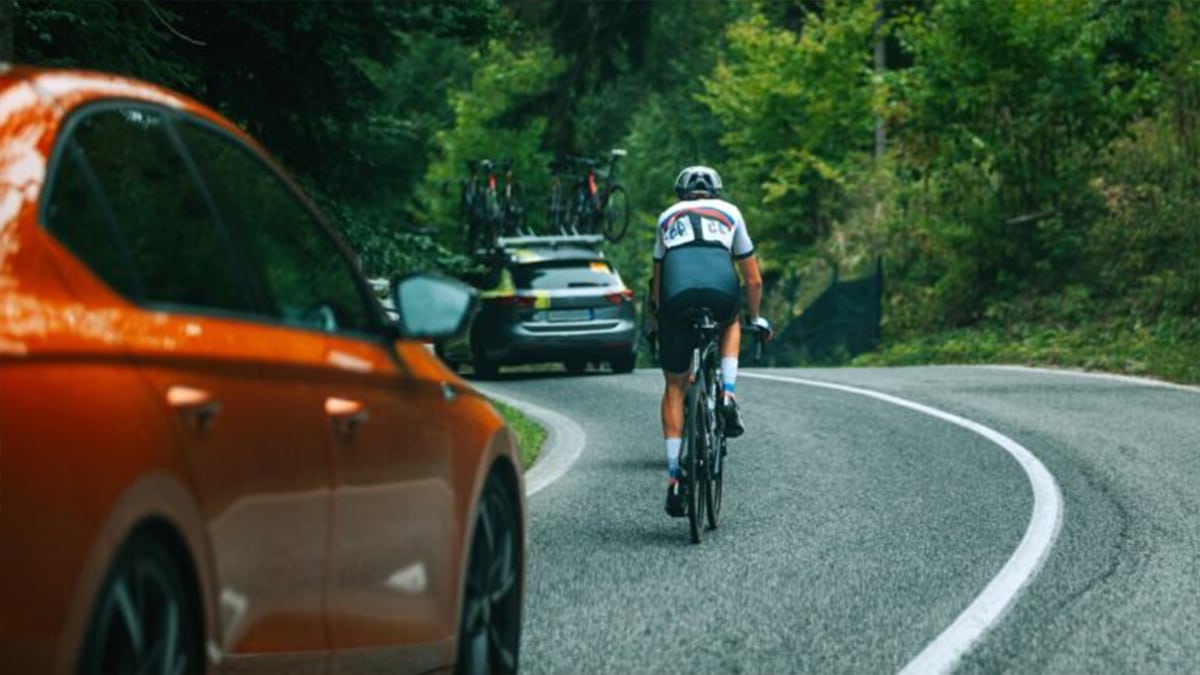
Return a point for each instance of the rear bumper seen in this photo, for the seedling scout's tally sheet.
(540, 342)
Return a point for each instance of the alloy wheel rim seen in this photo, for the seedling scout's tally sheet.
(491, 588)
(142, 623)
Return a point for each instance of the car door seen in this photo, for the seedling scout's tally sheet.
(391, 582)
(393, 570)
(232, 384)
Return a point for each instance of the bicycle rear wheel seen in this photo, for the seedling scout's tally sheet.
(616, 214)
(693, 464)
(514, 212)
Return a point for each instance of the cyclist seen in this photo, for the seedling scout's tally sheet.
(698, 238)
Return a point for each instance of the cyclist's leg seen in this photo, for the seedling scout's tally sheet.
(675, 356)
(674, 391)
(731, 344)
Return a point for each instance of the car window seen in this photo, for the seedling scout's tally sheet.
(81, 221)
(309, 282)
(564, 274)
(121, 175)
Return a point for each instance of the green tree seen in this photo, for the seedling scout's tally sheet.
(797, 111)
(1003, 131)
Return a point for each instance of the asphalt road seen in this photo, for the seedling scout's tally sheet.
(856, 529)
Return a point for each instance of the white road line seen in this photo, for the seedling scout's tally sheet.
(1128, 379)
(563, 445)
(990, 606)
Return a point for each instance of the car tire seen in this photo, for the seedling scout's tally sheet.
(145, 618)
(485, 369)
(489, 630)
(624, 363)
(440, 350)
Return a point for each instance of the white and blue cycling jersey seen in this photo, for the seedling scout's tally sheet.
(710, 222)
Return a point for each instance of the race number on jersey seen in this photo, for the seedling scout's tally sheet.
(711, 225)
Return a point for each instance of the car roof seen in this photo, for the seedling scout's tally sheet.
(50, 94)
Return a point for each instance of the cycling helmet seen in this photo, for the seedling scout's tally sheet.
(698, 179)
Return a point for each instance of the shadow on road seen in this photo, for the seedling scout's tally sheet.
(635, 464)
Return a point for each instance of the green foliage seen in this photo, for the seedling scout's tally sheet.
(99, 35)
(1040, 189)
(1028, 114)
(797, 110)
(1168, 349)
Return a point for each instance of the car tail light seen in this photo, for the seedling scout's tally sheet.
(623, 296)
(515, 300)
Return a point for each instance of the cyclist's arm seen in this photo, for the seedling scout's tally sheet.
(752, 278)
(655, 284)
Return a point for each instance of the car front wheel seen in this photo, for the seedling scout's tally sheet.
(489, 634)
(144, 620)
(624, 363)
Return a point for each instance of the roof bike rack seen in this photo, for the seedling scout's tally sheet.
(551, 240)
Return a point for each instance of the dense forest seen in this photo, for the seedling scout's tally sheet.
(1028, 170)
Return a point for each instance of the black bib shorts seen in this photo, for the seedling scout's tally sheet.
(694, 276)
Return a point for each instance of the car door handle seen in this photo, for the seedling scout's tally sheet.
(346, 414)
(196, 406)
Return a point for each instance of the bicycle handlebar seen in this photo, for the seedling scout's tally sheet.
(759, 338)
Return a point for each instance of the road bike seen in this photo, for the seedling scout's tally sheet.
(512, 199)
(556, 219)
(482, 206)
(702, 455)
(595, 207)
(472, 224)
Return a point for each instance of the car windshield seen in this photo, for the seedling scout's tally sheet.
(564, 274)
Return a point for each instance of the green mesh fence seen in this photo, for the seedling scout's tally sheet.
(840, 324)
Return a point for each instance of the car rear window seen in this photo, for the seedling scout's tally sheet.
(564, 274)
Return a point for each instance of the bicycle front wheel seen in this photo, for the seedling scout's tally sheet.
(579, 213)
(556, 216)
(616, 214)
(514, 212)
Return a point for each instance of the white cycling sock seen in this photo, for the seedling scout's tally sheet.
(673, 445)
(729, 367)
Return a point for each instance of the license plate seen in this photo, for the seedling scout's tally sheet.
(570, 315)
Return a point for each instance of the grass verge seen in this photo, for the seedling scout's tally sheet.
(1168, 351)
(530, 434)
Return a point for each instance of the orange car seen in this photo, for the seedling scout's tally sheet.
(216, 454)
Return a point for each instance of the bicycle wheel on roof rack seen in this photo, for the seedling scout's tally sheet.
(579, 212)
(556, 213)
(515, 222)
(615, 217)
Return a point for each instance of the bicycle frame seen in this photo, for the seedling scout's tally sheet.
(611, 178)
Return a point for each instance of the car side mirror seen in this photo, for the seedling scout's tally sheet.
(433, 306)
